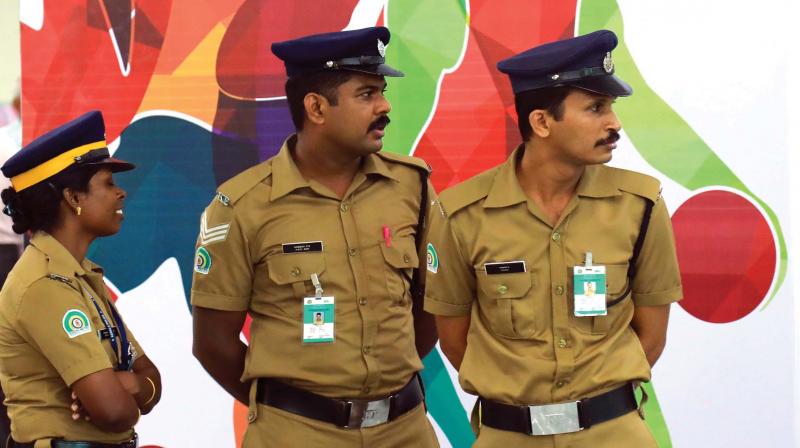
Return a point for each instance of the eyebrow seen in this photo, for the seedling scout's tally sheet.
(371, 87)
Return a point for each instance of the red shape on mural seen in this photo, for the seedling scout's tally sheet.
(727, 254)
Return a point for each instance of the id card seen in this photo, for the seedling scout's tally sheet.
(589, 288)
(318, 319)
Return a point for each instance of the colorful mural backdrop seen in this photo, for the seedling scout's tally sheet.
(192, 95)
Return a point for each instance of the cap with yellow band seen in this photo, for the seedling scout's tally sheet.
(79, 142)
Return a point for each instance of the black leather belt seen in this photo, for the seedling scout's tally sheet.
(559, 418)
(58, 443)
(343, 413)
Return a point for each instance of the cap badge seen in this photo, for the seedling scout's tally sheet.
(381, 48)
(608, 63)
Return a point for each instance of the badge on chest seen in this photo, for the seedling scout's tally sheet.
(318, 315)
(589, 287)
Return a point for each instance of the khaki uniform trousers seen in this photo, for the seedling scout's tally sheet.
(276, 428)
(628, 431)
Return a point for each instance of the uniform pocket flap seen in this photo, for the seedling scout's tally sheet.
(289, 268)
(505, 286)
(402, 254)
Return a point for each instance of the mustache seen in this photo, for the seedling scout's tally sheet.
(613, 136)
(381, 122)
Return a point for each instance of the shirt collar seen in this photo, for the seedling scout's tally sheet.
(597, 182)
(59, 260)
(505, 190)
(286, 177)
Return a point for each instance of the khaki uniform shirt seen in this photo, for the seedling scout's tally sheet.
(525, 345)
(252, 264)
(44, 348)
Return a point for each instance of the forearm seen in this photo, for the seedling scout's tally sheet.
(424, 332)
(150, 388)
(650, 325)
(453, 337)
(225, 363)
(653, 347)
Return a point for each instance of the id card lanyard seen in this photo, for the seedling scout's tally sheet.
(589, 288)
(318, 315)
(123, 350)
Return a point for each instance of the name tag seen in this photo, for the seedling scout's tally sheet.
(505, 267)
(299, 248)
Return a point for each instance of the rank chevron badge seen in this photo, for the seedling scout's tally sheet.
(214, 234)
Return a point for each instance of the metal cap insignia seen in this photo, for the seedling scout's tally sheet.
(381, 49)
(608, 63)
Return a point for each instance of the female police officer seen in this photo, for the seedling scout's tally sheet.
(72, 372)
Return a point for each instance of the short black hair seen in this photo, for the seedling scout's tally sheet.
(36, 207)
(324, 83)
(549, 99)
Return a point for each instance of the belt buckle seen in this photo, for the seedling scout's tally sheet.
(365, 414)
(559, 418)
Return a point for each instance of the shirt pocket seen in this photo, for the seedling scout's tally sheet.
(507, 301)
(291, 274)
(401, 259)
(616, 286)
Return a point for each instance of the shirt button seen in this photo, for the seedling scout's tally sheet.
(353, 251)
(344, 206)
(559, 290)
(366, 390)
(562, 343)
(406, 259)
(556, 236)
(561, 383)
(362, 301)
(366, 349)
(295, 272)
(502, 289)
(251, 416)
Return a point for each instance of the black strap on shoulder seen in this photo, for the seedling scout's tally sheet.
(417, 288)
(637, 248)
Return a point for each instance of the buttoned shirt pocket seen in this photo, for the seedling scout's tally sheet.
(616, 286)
(291, 274)
(507, 301)
(401, 260)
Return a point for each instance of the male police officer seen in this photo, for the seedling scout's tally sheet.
(328, 227)
(555, 361)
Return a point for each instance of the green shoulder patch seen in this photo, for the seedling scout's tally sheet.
(202, 261)
(432, 259)
(75, 323)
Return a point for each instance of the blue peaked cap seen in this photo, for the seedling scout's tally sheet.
(79, 142)
(361, 50)
(583, 62)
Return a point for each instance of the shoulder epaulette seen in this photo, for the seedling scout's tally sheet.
(411, 161)
(234, 188)
(468, 192)
(637, 183)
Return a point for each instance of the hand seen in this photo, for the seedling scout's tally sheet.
(78, 411)
(129, 381)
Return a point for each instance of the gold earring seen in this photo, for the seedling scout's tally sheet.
(78, 210)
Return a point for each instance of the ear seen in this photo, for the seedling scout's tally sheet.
(539, 120)
(315, 105)
(71, 197)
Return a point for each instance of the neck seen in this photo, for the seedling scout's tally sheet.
(545, 176)
(323, 161)
(75, 241)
